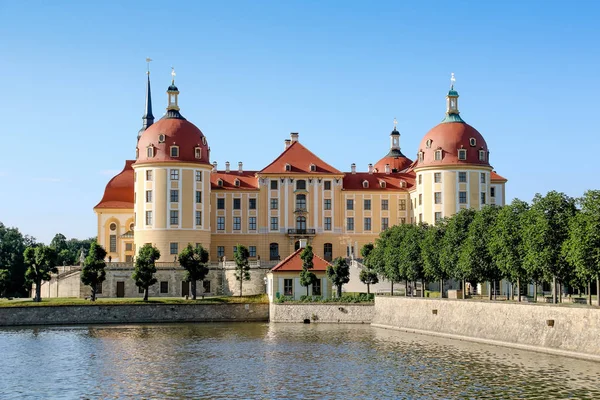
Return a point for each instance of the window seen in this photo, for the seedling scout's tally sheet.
(420, 179)
(421, 156)
(327, 204)
(206, 285)
(220, 251)
(161, 138)
(174, 196)
(220, 223)
(150, 152)
(252, 223)
(220, 204)
(420, 218)
(252, 251)
(492, 192)
(437, 197)
(350, 224)
(482, 177)
(367, 205)
(327, 185)
(288, 287)
(367, 224)
(349, 204)
(402, 204)
(316, 288)
(198, 196)
(482, 197)
(384, 205)
(473, 142)
(403, 221)
(462, 177)
(382, 184)
(481, 155)
(385, 223)
(328, 251)
(301, 202)
(438, 217)
(274, 204)
(234, 250)
(113, 227)
(428, 143)
(437, 177)
(237, 183)
(438, 155)
(128, 246)
(99, 288)
(237, 223)
(274, 224)
(173, 248)
(198, 217)
(301, 184)
(274, 251)
(252, 204)
(365, 184)
(113, 243)
(462, 197)
(164, 287)
(174, 151)
(149, 175)
(313, 168)
(220, 182)
(197, 152)
(420, 198)
(174, 174)
(148, 217)
(301, 223)
(174, 217)
(198, 176)
(237, 204)
(327, 223)
(273, 184)
(288, 167)
(462, 154)
(148, 196)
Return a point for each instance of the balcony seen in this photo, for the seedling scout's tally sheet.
(301, 232)
(300, 210)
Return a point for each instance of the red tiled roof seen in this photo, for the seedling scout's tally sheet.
(396, 163)
(497, 178)
(119, 190)
(392, 181)
(293, 262)
(248, 180)
(300, 159)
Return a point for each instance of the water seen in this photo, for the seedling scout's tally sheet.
(275, 361)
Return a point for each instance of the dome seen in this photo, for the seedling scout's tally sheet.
(449, 137)
(173, 131)
(397, 161)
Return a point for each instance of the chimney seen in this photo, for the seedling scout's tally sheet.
(288, 142)
(353, 168)
(302, 243)
(294, 136)
(240, 167)
(227, 166)
(387, 168)
(370, 168)
(214, 166)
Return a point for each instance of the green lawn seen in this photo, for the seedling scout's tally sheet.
(261, 298)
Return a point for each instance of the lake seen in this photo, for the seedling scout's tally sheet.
(283, 361)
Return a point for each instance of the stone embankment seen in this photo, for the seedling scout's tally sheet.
(568, 331)
(132, 314)
(322, 313)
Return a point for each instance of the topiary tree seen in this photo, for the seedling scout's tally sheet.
(430, 251)
(92, 272)
(193, 260)
(42, 262)
(145, 268)
(307, 278)
(4, 282)
(367, 275)
(339, 273)
(242, 265)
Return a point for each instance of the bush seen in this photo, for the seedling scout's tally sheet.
(355, 298)
(310, 299)
(284, 299)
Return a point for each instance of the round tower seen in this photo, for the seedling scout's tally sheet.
(452, 168)
(172, 183)
(394, 161)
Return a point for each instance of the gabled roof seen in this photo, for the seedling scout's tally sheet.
(119, 190)
(293, 262)
(494, 177)
(300, 160)
(392, 181)
(248, 180)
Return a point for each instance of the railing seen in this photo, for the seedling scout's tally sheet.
(301, 231)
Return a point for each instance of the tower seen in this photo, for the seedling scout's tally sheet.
(147, 118)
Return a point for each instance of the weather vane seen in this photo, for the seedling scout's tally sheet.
(395, 123)
(452, 80)
(173, 74)
(148, 59)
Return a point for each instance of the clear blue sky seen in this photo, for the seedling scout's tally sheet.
(251, 72)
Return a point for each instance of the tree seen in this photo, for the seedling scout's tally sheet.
(582, 247)
(430, 250)
(193, 260)
(145, 268)
(454, 236)
(339, 273)
(546, 228)
(59, 242)
(242, 266)
(92, 272)
(307, 278)
(12, 248)
(42, 262)
(410, 260)
(367, 275)
(4, 282)
(506, 243)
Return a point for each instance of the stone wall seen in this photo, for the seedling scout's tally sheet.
(322, 313)
(134, 313)
(571, 331)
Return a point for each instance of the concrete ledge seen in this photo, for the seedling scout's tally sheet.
(322, 313)
(556, 352)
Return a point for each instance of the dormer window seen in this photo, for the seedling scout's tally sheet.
(174, 151)
(197, 153)
(313, 168)
(204, 140)
(428, 143)
(288, 167)
(365, 184)
(462, 154)
(402, 183)
(220, 183)
(237, 183)
(161, 138)
(421, 156)
(150, 151)
(382, 184)
(481, 155)
(438, 155)
(473, 142)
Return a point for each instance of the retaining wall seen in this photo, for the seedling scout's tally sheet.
(322, 313)
(571, 331)
(132, 313)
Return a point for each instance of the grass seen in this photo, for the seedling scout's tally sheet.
(65, 301)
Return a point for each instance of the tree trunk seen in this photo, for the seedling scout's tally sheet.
(392, 292)
(490, 285)
(463, 289)
(146, 294)
(560, 291)
(339, 291)
(535, 288)
(405, 288)
(495, 295)
(241, 283)
(598, 291)
(368, 290)
(307, 290)
(93, 297)
(422, 287)
(554, 290)
(441, 288)
(519, 289)
(38, 292)
(589, 293)
(193, 289)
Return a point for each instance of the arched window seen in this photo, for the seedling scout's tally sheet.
(198, 152)
(328, 251)
(274, 251)
(288, 167)
(313, 168)
(296, 245)
(473, 142)
(300, 184)
(365, 184)
(301, 223)
(300, 202)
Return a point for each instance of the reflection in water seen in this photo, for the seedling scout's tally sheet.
(254, 360)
